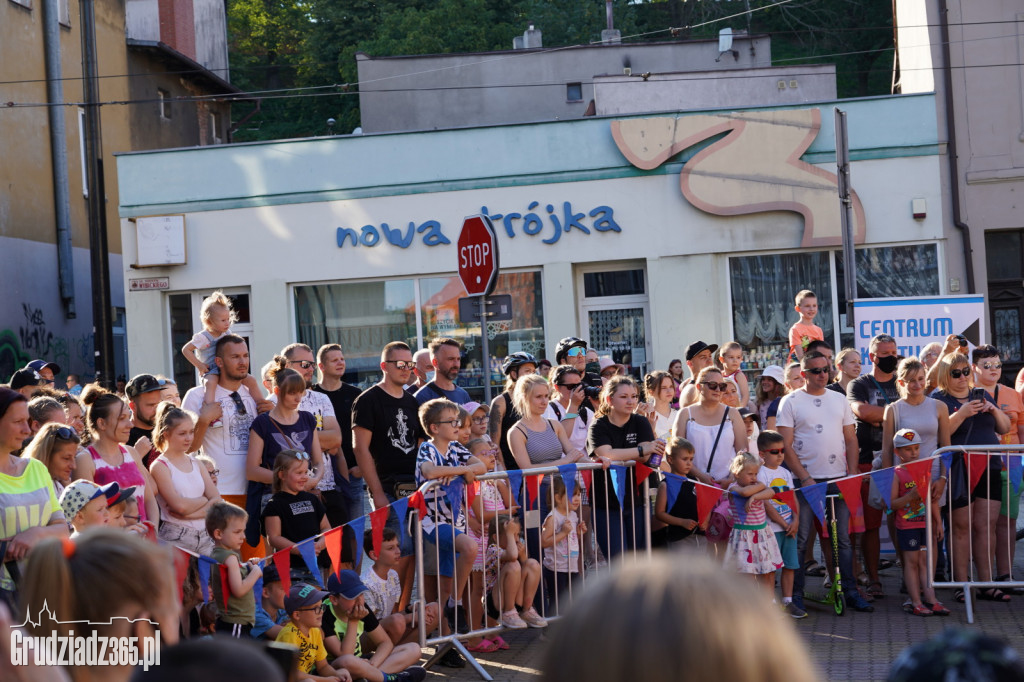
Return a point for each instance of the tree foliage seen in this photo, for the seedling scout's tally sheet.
(304, 51)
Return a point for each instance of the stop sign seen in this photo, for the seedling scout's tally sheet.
(478, 255)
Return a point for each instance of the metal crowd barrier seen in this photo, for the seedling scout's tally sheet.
(549, 606)
(963, 547)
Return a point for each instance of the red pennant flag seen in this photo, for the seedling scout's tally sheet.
(332, 539)
(471, 492)
(850, 488)
(588, 477)
(642, 472)
(225, 587)
(707, 498)
(181, 560)
(921, 472)
(378, 519)
(786, 497)
(976, 464)
(283, 562)
(417, 502)
(533, 487)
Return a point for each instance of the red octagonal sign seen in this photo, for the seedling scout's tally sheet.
(478, 255)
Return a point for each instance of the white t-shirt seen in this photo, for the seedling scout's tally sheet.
(320, 406)
(381, 595)
(777, 478)
(578, 437)
(817, 422)
(229, 444)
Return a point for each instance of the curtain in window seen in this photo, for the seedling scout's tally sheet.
(895, 271)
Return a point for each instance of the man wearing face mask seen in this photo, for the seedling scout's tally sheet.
(868, 395)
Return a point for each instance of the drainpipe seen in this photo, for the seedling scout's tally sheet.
(59, 155)
(954, 168)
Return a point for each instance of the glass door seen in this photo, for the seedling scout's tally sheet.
(615, 315)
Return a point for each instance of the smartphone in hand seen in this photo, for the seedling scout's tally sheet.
(977, 394)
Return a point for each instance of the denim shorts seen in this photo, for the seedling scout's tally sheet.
(443, 538)
(186, 537)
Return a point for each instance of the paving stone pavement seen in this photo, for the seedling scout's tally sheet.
(855, 646)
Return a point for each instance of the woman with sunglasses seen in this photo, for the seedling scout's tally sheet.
(56, 446)
(33, 512)
(973, 420)
(715, 430)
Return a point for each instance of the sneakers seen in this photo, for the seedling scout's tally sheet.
(533, 619)
(412, 674)
(511, 619)
(857, 603)
(451, 659)
(797, 612)
(457, 613)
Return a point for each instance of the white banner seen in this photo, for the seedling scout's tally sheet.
(916, 322)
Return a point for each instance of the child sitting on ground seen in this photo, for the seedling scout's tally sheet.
(683, 528)
(85, 504)
(910, 513)
(383, 591)
(804, 331)
(752, 547)
(443, 457)
(783, 520)
(225, 523)
(305, 608)
(217, 315)
(561, 538)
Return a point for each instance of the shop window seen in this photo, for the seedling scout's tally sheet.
(614, 283)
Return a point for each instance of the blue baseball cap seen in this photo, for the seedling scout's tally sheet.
(346, 583)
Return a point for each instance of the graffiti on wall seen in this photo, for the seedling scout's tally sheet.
(34, 338)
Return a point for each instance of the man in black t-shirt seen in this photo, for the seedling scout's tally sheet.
(331, 361)
(386, 434)
(144, 394)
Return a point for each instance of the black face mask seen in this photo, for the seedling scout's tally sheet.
(887, 364)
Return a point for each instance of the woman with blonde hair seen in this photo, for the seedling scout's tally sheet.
(56, 446)
(715, 429)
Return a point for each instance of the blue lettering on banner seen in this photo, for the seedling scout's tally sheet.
(909, 327)
(530, 224)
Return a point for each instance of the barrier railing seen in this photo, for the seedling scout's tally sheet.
(626, 528)
(979, 539)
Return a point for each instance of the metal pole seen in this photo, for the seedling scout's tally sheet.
(485, 351)
(846, 206)
(98, 248)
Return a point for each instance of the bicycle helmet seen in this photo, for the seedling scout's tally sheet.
(562, 349)
(517, 360)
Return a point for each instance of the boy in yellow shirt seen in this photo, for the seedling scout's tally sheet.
(305, 608)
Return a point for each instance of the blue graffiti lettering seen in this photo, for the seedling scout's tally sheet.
(344, 233)
(532, 224)
(573, 219)
(370, 235)
(558, 226)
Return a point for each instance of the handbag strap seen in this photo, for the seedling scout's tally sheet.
(721, 427)
(283, 434)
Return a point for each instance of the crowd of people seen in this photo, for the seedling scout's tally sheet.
(245, 466)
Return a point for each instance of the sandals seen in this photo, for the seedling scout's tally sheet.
(938, 609)
(885, 563)
(921, 610)
(502, 644)
(993, 594)
(875, 590)
(813, 568)
(958, 595)
(485, 646)
(1008, 590)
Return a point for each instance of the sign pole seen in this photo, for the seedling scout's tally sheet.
(485, 351)
(477, 249)
(843, 177)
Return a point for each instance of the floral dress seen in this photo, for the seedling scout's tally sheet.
(752, 546)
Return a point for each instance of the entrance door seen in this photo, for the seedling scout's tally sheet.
(184, 310)
(1005, 259)
(615, 314)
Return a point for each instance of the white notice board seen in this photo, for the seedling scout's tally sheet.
(161, 240)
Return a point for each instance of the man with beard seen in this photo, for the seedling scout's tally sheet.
(236, 409)
(446, 358)
(300, 358)
(144, 394)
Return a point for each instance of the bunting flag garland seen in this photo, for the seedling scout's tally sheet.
(472, 490)
(515, 483)
(568, 473)
(707, 498)
(532, 489)
(181, 561)
(257, 590)
(947, 461)
(588, 478)
(976, 465)
(883, 479)
(358, 527)
(401, 507)
(307, 549)
(642, 472)
(1014, 470)
(673, 484)
(453, 492)
(417, 502)
(378, 519)
(225, 587)
(815, 496)
(283, 563)
(739, 503)
(618, 474)
(786, 497)
(921, 473)
(332, 539)
(204, 576)
(850, 488)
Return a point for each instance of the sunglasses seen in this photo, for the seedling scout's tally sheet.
(774, 451)
(214, 472)
(237, 400)
(304, 364)
(713, 386)
(67, 433)
(302, 455)
(817, 370)
(571, 387)
(991, 365)
(402, 364)
(319, 608)
(576, 351)
(958, 373)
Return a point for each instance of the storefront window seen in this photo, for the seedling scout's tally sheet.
(361, 316)
(764, 289)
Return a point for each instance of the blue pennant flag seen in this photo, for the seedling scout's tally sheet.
(257, 589)
(204, 575)
(568, 472)
(515, 484)
(740, 504)
(815, 496)
(883, 480)
(454, 492)
(1014, 469)
(401, 509)
(308, 552)
(673, 484)
(947, 461)
(618, 474)
(358, 527)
